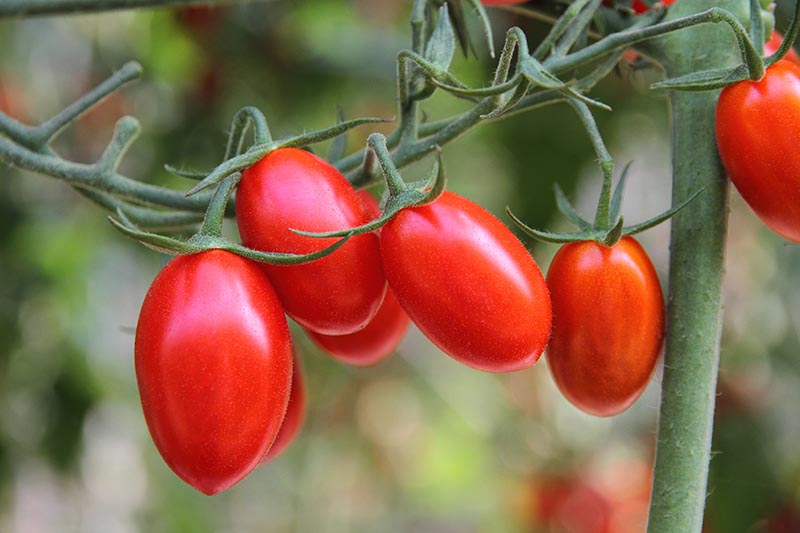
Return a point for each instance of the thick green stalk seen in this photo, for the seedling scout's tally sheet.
(697, 253)
(695, 320)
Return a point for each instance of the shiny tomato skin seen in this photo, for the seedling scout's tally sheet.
(295, 412)
(757, 136)
(214, 366)
(292, 188)
(771, 46)
(468, 283)
(381, 336)
(608, 324)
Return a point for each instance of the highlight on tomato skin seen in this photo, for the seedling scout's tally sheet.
(468, 283)
(757, 137)
(608, 324)
(295, 413)
(213, 362)
(288, 189)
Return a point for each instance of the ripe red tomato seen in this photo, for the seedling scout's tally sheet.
(383, 333)
(214, 367)
(291, 188)
(295, 413)
(758, 135)
(568, 503)
(771, 46)
(608, 324)
(468, 283)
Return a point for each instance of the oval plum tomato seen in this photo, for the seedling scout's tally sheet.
(771, 46)
(608, 324)
(468, 283)
(757, 136)
(295, 413)
(214, 367)
(292, 188)
(383, 333)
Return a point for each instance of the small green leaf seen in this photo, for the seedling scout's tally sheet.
(535, 73)
(568, 211)
(638, 228)
(616, 200)
(339, 144)
(704, 80)
(195, 175)
(442, 44)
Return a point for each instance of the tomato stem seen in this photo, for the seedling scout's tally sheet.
(789, 38)
(697, 247)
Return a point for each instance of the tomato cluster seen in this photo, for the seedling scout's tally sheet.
(221, 388)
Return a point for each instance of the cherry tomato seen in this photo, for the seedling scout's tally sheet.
(568, 503)
(383, 333)
(295, 412)
(771, 46)
(291, 188)
(214, 366)
(468, 283)
(758, 135)
(608, 324)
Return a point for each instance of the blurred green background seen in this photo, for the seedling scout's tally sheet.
(418, 442)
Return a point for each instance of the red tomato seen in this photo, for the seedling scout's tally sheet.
(608, 324)
(758, 135)
(567, 503)
(383, 333)
(639, 7)
(468, 283)
(291, 188)
(771, 46)
(214, 367)
(295, 412)
(502, 2)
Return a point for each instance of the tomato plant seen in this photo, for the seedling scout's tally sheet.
(214, 365)
(757, 136)
(608, 324)
(292, 188)
(468, 283)
(295, 413)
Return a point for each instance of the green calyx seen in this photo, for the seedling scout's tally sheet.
(400, 195)
(605, 230)
(210, 234)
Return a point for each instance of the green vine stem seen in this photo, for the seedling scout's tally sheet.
(691, 361)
